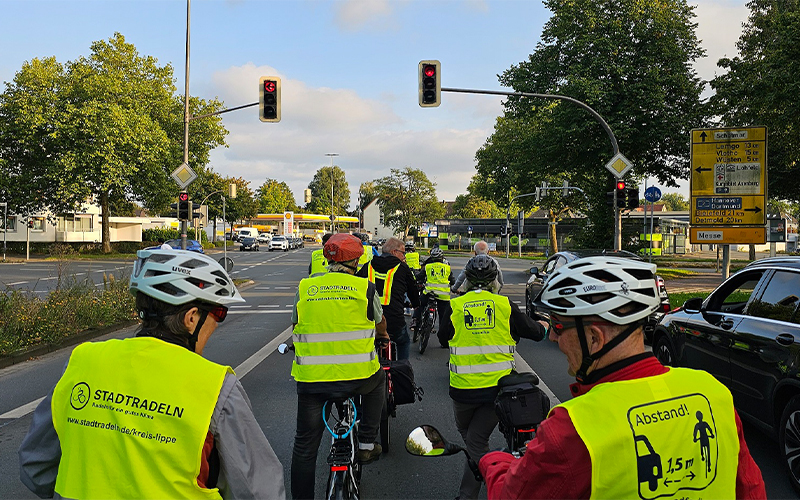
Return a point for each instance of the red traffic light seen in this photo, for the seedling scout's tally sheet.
(183, 197)
(429, 70)
(620, 185)
(269, 86)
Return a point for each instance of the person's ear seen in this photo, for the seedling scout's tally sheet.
(190, 319)
(598, 337)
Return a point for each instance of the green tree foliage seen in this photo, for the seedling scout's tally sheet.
(471, 206)
(760, 88)
(674, 202)
(106, 128)
(366, 193)
(631, 62)
(320, 187)
(407, 198)
(244, 205)
(274, 197)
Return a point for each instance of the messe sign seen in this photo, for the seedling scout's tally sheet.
(728, 235)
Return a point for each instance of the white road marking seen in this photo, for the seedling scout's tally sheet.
(16, 283)
(523, 366)
(261, 288)
(239, 306)
(23, 410)
(258, 312)
(269, 305)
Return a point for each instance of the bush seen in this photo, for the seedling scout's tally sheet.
(155, 234)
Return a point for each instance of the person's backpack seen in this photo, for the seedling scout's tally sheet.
(405, 390)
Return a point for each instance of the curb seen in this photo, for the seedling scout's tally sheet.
(78, 338)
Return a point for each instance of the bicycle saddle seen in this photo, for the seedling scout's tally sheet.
(515, 378)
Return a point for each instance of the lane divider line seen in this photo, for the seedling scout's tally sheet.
(523, 366)
(248, 364)
(22, 410)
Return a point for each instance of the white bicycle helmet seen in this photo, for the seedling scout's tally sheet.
(604, 287)
(180, 276)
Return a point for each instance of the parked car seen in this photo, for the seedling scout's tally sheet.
(250, 244)
(558, 259)
(279, 243)
(192, 245)
(747, 334)
(264, 237)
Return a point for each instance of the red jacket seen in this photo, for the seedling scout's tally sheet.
(556, 463)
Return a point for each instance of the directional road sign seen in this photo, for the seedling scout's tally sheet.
(728, 176)
(728, 235)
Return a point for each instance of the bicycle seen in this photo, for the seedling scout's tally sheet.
(387, 352)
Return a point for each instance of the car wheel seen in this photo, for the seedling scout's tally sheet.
(664, 351)
(789, 441)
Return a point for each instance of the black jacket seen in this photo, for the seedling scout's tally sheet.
(403, 284)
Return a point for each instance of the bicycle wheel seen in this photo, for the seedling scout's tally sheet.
(336, 486)
(425, 333)
(385, 417)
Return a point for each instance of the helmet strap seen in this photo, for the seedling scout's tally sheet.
(588, 359)
(194, 337)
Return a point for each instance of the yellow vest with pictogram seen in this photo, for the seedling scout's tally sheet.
(132, 417)
(412, 259)
(668, 436)
(334, 339)
(482, 349)
(366, 256)
(437, 279)
(319, 264)
(383, 282)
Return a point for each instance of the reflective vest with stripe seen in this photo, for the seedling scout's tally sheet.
(482, 349)
(437, 279)
(383, 282)
(366, 256)
(412, 259)
(319, 264)
(334, 339)
(132, 417)
(667, 436)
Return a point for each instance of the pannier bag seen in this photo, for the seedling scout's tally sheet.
(520, 404)
(404, 388)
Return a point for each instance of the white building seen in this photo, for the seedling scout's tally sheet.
(373, 222)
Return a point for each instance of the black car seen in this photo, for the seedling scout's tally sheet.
(558, 259)
(747, 334)
(249, 243)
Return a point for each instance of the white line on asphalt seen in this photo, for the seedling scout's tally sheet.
(51, 278)
(22, 410)
(258, 312)
(269, 305)
(253, 361)
(239, 306)
(261, 288)
(283, 288)
(17, 283)
(288, 305)
(523, 366)
(518, 302)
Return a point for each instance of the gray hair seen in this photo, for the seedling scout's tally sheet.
(481, 248)
(393, 244)
(342, 267)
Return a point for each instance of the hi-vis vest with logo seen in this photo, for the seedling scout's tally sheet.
(132, 417)
(366, 256)
(383, 282)
(334, 339)
(412, 259)
(437, 279)
(482, 349)
(319, 265)
(669, 436)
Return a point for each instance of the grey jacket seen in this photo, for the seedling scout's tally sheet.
(463, 276)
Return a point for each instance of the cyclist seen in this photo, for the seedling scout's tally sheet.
(629, 427)
(438, 278)
(336, 316)
(393, 280)
(480, 248)
(412, 256)
(369, 250)
(318, 263)
(149, 417)
(481, 352)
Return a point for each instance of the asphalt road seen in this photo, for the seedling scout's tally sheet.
(247, 341)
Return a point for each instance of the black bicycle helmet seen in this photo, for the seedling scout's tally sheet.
(481, 270)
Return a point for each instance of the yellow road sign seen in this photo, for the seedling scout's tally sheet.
(728, 235)
(728, 210)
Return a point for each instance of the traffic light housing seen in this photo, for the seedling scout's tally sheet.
(184, 206)
(622, 194)
(192, 208)
(503, 230)
(174, 213)
(269, 99)
(30, 224)
(632, 198)
(430, 84)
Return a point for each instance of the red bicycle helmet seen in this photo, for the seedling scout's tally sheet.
(343, 247)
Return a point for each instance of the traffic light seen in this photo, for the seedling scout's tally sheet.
(30, 224)
(269, 99)
(307, 195)
(430, 84)
(610, 198)
(192, 208)
(632, 198)
(184, 206)
(503, 231)
(621, 194)
(174, 213)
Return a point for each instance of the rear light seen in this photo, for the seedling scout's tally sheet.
(665, 307)
(337, 468)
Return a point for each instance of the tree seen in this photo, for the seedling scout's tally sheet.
(366, 193)
(320, 187)
(471, 206)
(675, 202)
(244, 205)
(109, 129)
(760, 88)
(274, 197)
(631, 62)
(407, 198)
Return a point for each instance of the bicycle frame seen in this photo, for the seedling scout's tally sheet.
(345, 471)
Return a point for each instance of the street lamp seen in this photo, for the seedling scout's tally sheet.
(232, 193)
(331, 155)
(5, 227)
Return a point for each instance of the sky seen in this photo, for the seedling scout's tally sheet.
(348, 70)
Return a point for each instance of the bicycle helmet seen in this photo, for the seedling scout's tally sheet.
(342, 247)
(621, 291)
(364, 238)
(481, 270)
(436, 253)
(409, 246)
(179, 276)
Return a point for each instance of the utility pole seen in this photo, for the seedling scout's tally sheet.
(331, 155)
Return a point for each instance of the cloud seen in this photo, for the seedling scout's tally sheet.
(719, 26)
(353, 15)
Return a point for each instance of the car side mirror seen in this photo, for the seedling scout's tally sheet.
(427, 441)
(693, 305)
(534, 270)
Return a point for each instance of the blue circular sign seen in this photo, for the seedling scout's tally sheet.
(652, 194)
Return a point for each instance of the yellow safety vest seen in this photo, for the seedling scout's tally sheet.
(383, 282)
(334, 339)
(366, 256)
(319, 264)
(132, 417)
(412, 259)
(668, 436)
(482, 349)
(438, 280)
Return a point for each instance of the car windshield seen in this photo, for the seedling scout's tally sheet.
(279, 238)
(248, 240)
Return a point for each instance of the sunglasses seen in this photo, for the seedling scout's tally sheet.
(219, 313)
(559, 326)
